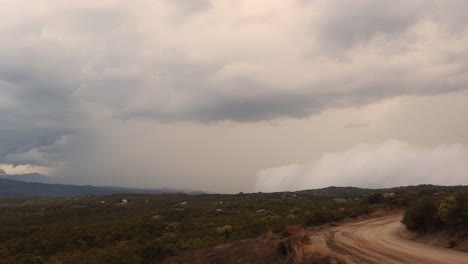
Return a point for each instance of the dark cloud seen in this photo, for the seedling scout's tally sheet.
(241, 109)
(37, 92)
(128, 62)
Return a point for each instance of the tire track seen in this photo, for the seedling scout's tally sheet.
(379, 240)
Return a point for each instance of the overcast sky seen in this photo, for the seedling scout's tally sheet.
(235, 95)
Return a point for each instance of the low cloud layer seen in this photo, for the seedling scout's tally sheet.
(388, 164)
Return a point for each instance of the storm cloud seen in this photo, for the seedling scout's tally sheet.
(69, 69)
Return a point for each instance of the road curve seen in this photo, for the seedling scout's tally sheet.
(380, 240)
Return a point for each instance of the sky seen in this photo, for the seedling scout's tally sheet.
(235, 95)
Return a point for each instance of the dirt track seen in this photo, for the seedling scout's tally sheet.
(380, 240)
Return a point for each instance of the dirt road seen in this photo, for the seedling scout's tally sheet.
(380, 240)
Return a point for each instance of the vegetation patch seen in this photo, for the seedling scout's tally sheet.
(150, 228)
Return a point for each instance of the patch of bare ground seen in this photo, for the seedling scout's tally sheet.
(292, 245)
(379, 240)
(442, 238)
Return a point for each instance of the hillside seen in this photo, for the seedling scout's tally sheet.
(13, 188)
(30, 177)
(355, 192)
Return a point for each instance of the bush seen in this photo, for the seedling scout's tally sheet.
(298, 250)
(399, 199)
(463, 209)
(155, 252)
(448, 212)
(420, 216)
(323, 216)
(452, 244)
(28, 259)
(375, 198)
(224, 231)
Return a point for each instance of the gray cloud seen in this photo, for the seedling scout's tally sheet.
(355, 125)
(352, 23)
(66, 67)
(39, 110)
(106, 62)
(191, 6)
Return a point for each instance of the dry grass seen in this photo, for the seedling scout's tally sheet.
(291, 230)
(298, 249)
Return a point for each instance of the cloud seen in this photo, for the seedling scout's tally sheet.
(386, 164)
(65, 64)
(359, 124)
(192, 6)
(9, 169)
(42, 154)
(345, 24)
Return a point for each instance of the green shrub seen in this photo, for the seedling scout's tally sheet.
(399, 199)
(224, 231)
(375, 198)
(420, 216)
(448, 212)
(318, 217)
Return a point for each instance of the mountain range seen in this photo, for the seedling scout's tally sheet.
(35, 184)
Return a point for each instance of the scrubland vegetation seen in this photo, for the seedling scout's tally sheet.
(100, 229)
(149, 228)
(438, 211)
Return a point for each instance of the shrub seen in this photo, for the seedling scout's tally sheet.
(375, 198)
(28, 259)
(399, 199)
(298, 250)
(452, 244)
(448, 212)
(463, 209)
(323, 216)
(155, 252)
(172, 228)
(224, 231)
(419, 216)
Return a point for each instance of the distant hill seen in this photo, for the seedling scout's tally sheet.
(30, 177)
(355, 192)
(342, 192)
(430, 187)
(42, 186)
(14, 188)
